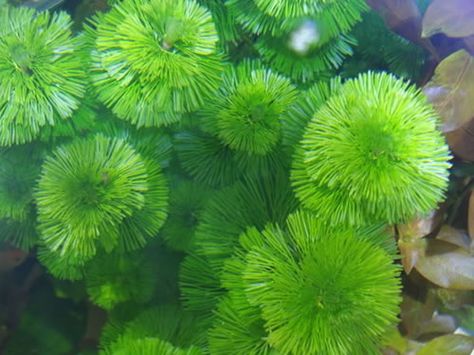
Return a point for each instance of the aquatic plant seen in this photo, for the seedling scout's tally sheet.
(231, 177)
(41, 73)
(372, 153)
(307, 305)
(154, 60)
(98, 192)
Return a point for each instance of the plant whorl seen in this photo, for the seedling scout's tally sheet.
(321, 291)
(371, 154)
(85, 191)
(246, 113)
(41, 72)
(153, 60)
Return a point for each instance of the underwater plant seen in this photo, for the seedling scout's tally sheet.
(307, 305)
(41, 73)
(233, 177)
(245, 114)
(384, 125)
(152, 61)
(95, 193)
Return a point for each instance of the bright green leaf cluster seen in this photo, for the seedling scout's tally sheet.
(41, 73)
(305, 288)
(246, 112)
(99, 193)
(372, 153)
(153, 60)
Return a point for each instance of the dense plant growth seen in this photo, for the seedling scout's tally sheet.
(234, 177)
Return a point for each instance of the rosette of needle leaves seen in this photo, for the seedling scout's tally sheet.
(119, 277)
(246, 112)
(321, 291)
(276, 16)
(82, 121)
(155, 59)
(61, 266)
(251, 202)
(238, 328)
(86, 189)
(372, 153)
(153, 143)
(40, 72)
(187, 201)
(301, 55)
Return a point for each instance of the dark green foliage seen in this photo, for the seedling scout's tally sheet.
(299, 115)
(254, 201)
(379, 48)
(41, 75)
(303, 40)
(238, 328)
(272, 16)
(187, 201)
(206, 159)
(116, 278)
(170, 327)
(199, 285)
(308, 63)
(147, 346)
(19, 169)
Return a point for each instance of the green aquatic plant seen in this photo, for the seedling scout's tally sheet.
(306, 63)
(318, 290)
(257, 200)
(41, 73)
(206, 159)
(246, 112)
(153, 60)
(380, 49)
(199, 285)
(372, 153)
(152, 158)
(93, 189)
(300, 113)
(238, 328)
(226, 27)
(19, 169)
